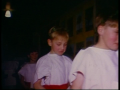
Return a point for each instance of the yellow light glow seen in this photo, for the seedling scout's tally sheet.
(8, 10)
(7, 6)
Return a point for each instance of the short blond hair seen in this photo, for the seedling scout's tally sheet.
(54, 32)
(106, 19)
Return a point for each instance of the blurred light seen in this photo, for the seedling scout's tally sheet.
(7, 6)
(7, 13)
(8, 10)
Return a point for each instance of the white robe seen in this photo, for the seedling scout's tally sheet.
(28, 71)
(99, 67)
(56, 69)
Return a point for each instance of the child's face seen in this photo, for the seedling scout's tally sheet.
(33, 56)
(58, 45)
(110, 37)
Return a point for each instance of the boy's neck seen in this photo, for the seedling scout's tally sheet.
(100, 45)
(52, 52)
(32, 61)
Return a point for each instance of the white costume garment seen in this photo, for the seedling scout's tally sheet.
(56, 69)
(28, 71)
(117, 53)
(99, 67)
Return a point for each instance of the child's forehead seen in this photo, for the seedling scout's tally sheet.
(60, 38)
(112, 27)
(111, 23)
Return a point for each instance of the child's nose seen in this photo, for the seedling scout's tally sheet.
(62, 47)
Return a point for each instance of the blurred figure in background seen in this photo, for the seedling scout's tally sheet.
(9, 75)
(27, 71)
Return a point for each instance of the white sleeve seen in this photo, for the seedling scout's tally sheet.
(75, 65)
(83, 62)
(43, 68)
(23, 70)
(117, 53)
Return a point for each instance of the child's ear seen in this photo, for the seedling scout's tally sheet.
(100, 30)
(49, 42)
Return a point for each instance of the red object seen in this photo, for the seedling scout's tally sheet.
(63, 86)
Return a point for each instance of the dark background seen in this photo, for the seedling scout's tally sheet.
(28, 17)
(29, 25)
(34, 16)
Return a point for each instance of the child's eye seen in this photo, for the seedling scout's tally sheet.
(116, 32)
(58, 44)
(65, 45)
